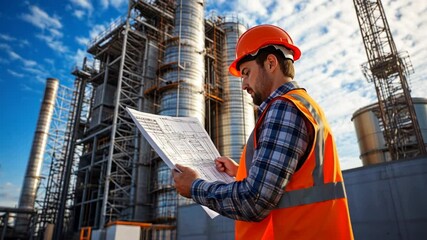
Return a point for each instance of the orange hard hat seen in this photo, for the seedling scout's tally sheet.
(258, 37)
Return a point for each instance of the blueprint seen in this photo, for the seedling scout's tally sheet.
(180, 140)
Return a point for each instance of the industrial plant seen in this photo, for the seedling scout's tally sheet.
(92, 175)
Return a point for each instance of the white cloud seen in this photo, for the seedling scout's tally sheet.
(28, 66)
(118, 3)
(104, 3)
(36, 74)
(80, 8)
(85, 4)
(7, 38)
(27, 88)
(82, 41)
(55, 33)
(35, 71)
(5, 46)
(11, 39)
(24, 43)
(51, 62)
(9, 194)
(14, 56)
(15, 74)
(50, 26)
(29, 63)
(41, 19)
(53, 43)
(79, 14)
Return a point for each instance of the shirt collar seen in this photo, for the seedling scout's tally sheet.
(286, 87)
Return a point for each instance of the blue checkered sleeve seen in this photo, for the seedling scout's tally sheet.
(282, 141)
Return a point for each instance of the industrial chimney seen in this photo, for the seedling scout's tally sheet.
(32, 175)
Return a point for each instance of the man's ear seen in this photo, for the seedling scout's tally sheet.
(271, 62)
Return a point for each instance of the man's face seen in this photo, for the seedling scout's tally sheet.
(255, 82)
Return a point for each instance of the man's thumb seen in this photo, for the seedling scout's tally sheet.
(179, 167)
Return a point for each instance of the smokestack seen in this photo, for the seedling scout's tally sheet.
(35, 161)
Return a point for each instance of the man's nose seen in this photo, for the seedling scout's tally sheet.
(244, 85)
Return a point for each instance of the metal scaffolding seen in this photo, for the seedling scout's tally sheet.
(388, 70)
(50, 189)
(214, 44)
(112, 153)
(55, 195)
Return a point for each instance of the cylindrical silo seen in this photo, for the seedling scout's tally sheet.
(32, 175)
(237, 112)
(181, 91)
(372, 144)
(165, 197)
(182, 72)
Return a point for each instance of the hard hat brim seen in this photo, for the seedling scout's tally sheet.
(233, 68)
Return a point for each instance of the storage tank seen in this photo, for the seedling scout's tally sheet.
(370, 138)
(183, 71)
(237, 115)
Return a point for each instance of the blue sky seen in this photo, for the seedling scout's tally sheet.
(40, 39)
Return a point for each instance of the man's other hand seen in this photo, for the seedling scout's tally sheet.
(227, 165)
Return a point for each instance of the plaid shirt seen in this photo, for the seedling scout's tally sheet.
(282, 141)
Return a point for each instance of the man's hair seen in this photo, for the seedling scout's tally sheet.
(286, 64)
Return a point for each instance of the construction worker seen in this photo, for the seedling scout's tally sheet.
(288, 181)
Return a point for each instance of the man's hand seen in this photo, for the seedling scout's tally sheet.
(227, 165)
(184, 178)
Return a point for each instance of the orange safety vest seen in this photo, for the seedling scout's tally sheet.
(314, 205)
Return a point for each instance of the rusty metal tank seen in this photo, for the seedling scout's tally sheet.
(370, 137)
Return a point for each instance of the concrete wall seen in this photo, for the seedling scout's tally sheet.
(386, 201)
(389, 200)
(195, 224)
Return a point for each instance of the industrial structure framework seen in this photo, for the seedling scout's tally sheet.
(52, 149)
(162, 57)
(388, 70)
(56, 163)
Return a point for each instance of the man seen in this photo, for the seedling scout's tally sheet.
(289, 184)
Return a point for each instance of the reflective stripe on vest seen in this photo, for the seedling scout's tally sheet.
(320, 191)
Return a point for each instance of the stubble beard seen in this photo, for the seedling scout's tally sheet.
(257, 99)
(257, 95)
